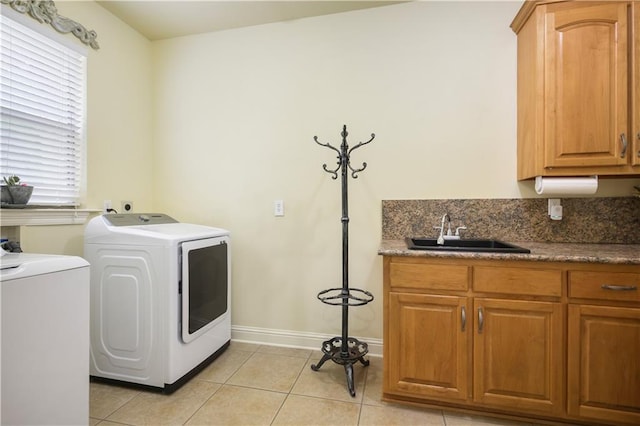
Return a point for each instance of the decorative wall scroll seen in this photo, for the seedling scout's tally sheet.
(44, 11)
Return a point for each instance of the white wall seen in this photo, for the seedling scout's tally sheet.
(119, 133)
(235, 116)
(213, 128)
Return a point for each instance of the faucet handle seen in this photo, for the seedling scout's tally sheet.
(459, 228)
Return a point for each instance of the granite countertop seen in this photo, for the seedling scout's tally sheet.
(628, 254)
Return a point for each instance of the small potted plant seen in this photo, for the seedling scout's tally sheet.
(15, 193)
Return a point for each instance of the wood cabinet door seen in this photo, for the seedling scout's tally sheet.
(635, 78)
(428, 346)
(604, 363)
(586, 85)
(518, 355)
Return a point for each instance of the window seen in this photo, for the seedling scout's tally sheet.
(42, 113)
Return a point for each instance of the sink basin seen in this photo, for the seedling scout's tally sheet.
(470, 245)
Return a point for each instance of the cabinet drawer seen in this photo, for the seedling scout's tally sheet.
(533, 282)
(428, 276)
(605, 285)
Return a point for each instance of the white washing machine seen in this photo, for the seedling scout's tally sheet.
(160, 298)
(45, 337)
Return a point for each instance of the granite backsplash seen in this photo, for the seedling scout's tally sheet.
(585, 220)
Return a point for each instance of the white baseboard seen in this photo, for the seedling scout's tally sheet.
(293, 339)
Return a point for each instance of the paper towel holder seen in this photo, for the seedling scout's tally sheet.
(556, 185)
(554, 209)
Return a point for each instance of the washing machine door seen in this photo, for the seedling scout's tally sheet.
(204, 285)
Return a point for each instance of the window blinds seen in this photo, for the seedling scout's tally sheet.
(42, 114)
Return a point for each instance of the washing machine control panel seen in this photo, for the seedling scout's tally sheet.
(131, 219)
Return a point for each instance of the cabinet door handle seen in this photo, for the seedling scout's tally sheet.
(463, 317)
(480, 321)
(638, 136)
(619, 287)
(623, 142)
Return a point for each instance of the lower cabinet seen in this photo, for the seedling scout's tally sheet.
(518, 356)
(603, 368)
(604, 363)
(530, 339)
(429, 346)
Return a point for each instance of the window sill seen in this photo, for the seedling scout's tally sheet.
(34, 217)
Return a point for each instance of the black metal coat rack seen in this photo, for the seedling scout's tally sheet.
(344, 350)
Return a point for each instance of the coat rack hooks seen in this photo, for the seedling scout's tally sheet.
(344, 350)
(344, 154)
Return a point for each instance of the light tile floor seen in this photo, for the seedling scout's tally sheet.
(267, 385)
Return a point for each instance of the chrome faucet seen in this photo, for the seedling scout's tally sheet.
(448, 236)
(441, 236)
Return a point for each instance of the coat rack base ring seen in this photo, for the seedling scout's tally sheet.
(333, 350)
(340, 297)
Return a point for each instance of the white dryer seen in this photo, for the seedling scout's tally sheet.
(160, 298)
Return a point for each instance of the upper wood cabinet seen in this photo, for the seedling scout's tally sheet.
(635, 81)
(578, 94)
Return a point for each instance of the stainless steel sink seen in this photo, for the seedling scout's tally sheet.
(466, 245)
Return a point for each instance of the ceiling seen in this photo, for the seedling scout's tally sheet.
(157, 20)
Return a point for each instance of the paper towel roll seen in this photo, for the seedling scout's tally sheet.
(566, 185)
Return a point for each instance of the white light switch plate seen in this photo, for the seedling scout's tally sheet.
(278, 208)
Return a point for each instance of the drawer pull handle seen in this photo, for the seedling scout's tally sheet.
(463, 317)
(619, 287)
(480, 321)
(624, 144)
